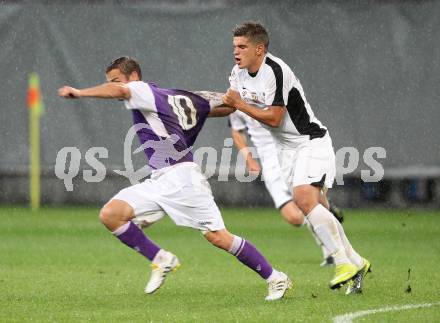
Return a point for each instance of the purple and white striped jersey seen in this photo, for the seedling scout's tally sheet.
(167, 120)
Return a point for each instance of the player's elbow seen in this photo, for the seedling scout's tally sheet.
(275, 116)
(124, 92)
(118, 91)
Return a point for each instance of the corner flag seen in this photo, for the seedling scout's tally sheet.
(35, 106)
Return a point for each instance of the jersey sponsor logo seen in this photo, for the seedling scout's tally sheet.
(253, 97)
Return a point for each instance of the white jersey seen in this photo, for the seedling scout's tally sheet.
(275, 85)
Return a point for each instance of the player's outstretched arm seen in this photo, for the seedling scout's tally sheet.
(218, 108)
(221, 111)
(111, 90)
(271, 115)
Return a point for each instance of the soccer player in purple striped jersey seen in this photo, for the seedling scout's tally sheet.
(168, 122)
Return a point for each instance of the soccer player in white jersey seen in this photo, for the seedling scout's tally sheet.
(265, 88)
(241, 125)
(176, 186)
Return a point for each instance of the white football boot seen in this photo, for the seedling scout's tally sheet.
(162, 264)
(278, 287)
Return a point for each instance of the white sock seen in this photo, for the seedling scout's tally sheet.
(324, 226)
(237, 245)
(275, 274)
(325, 252)
(351, 253)
(121, 229)
(160, 256)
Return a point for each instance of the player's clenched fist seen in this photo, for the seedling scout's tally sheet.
(231, 98)
(68, 92)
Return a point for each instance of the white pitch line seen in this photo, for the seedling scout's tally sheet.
(349, 317)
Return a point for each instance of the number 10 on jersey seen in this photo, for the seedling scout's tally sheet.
(184, 110)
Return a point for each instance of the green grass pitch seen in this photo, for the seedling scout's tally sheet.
(62, 265)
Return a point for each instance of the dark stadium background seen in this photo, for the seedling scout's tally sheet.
(370, 70)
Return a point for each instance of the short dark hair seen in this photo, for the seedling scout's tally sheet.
(255, 31)
(126, 65)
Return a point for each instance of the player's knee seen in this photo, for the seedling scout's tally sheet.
(107, 215)
(306, 205)
(116, 213)
(306, 200)
(297, 221)
(292, 214)
(294, 218)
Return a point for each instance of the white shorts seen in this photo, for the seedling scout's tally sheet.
(312, 162)
(181, 191)
(273, 179)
